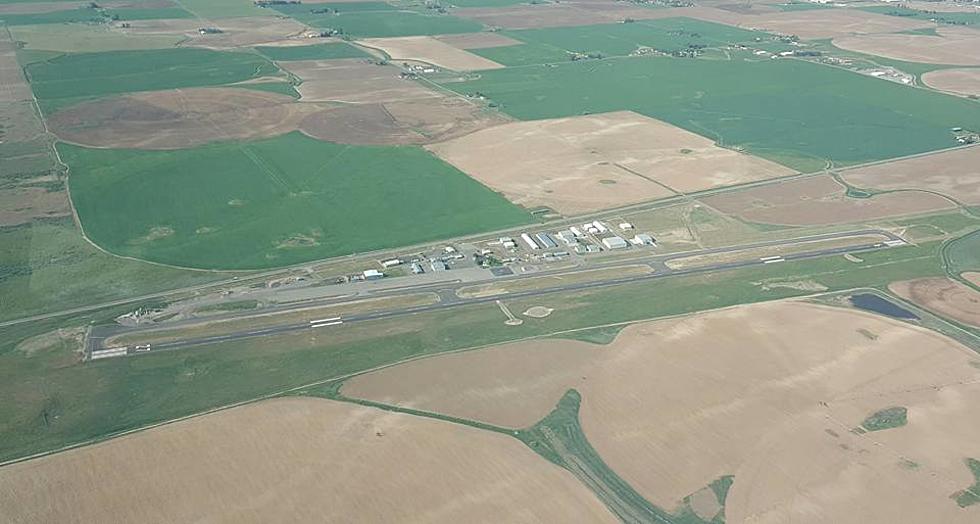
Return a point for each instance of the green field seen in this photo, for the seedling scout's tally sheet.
(794, 112)
(963, 254)
(60, 403)
(953, 18)
(97, 74)
(668, 35)
(90, 15)
(888, 418)
(274, 202)
(312, 52)
(86, 38)
(210, 9)
(375, 19)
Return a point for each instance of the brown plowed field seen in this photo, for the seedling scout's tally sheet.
(954, 46)
(299, 460)
(354, 81)
(407, 122)
(960, 81)
(21, 205)
(532, 16)
(586, 163)
(831, 23)
(945, 297)
(819, 200)
(954, 173)
(178, 118)
(237, 32)
(972, 277)
(767, 392)
(431, 51)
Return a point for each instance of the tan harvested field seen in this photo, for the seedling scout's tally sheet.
(524, 284)
(586, 163)
(954, 173)
(960, 81)
(345, 80)
(477, 40)
(766, 392)
(431, 51)
(237, 32)
(417, 121)
(179, 118)
(13, 85)
(954, 46)
(298, 460)
(972, 277)
(943, 296)
(24, 204)
(831, 23)
(819, 200)
(940, 7)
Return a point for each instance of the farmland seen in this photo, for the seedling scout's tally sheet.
(489, 261)
(274, 202)
(98, 74)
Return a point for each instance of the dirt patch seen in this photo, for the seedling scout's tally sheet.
(354, 81)
(538, 312)
(408, 122)
(70, 338)
(972, 277)
(953, 47)
(533, 16)
(431, 51)
(299, 460)
(819, 200)
(674, 404)
(964, 82)
(705, 504)
(942, 296)
(586, 163)
(178, 118)
(24, 204)
(478, 40)
(954, 173)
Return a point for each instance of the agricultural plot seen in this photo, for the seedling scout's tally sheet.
(376, 19)
(586, 163)
(940, 17)
(99, 74)
(480, 476)
(820, 201)
(750, 105)
(235, 32)
(274, 202)
(91, 15)
(218, 9)
(429, 50)
(960, 81)
(953, 173)
(942, 296)
(180, 118)
(949, 46)
(85, 38)
(312, 52)
(528, 16)
(345, 80)
(665, 35)
(829, 368)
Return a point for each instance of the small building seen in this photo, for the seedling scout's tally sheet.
(417, 268)
(568, 237)
(529, 241)
(614, 243)
(449, 249)
(625, 226)
(373, 274)
(600, 226)
(438, 265)
(643, 239)
(577, 232)
(391, 263)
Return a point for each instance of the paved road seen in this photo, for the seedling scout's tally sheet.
(451, 300)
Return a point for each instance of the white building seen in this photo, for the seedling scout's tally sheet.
(373, 274)
(391, 263)
(625, 226)
(643, 239)
(614, 243)
(529, 241)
